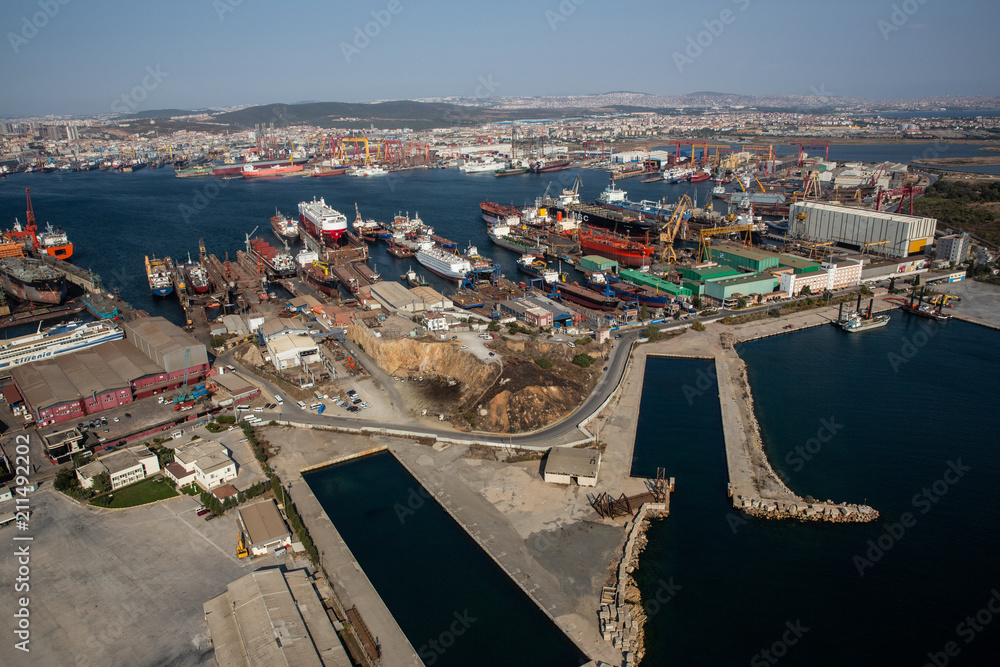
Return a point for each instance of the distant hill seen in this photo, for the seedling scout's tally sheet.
(383, 114)
(159, 113)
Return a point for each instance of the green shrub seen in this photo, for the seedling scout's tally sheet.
(652, 332)
(583, 360)
(698, 326)
(544, 363)
(226, 419)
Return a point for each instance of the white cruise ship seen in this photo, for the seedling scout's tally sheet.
(57, 340)
(445, 264)
(321, 221)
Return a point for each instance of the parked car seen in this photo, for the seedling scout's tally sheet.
(209, 517)
(202, 511)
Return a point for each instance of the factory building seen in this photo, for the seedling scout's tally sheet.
(749, 259)
(431, 298)
(156, 356)
(397, 298)
(834, 275)
(820, 222)
(954, 248)
(526, 312)
(726, 290)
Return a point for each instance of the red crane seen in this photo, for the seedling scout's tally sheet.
(26, 235)
(825, 146)
(908, 191)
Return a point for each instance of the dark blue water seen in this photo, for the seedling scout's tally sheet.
(114, 219)
(902, 409)
(453, 603)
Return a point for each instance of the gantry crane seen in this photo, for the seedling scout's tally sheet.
(705, 241)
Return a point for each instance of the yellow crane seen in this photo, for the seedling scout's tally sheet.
(865, 247)
(705, 238)
(669, 232)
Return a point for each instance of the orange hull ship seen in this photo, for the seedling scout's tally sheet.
(624, 250)
(53, 242)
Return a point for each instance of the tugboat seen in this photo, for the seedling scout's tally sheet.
(54, 243)
(158, 275)
(413, 279)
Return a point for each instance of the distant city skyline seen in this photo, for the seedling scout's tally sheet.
(64, 57)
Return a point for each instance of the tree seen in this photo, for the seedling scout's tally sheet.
(643, 312)
(741, 303)
(544, 363)
(677, 315)
(493, 326)
(652, 332)
(102, 483)
(892, 285)
(66, 480)
(583, 360)
(865, 291)
(696, 302)
(805, 291)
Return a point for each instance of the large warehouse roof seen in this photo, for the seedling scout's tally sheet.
(165, 343)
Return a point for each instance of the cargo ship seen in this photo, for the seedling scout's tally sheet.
(194, 172)
(510, 171)
(615, 199)
(498, 213)
(368, 274)
(587, 297)
(613, 246)
(337, 171)
(445, 264)
(478, 167)
(860, 320)
(594, 215)
(321, 278)
(700, 175)
(235, 169)
(544, 166)
(251, 171)
(197, 277)
(500, 235)
(284, 227)
(368, 230)
(321, 221)
(30, 279)
(55, 341)
(158, 274)
(276, 263)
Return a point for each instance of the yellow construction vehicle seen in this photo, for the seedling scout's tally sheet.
(944, 300)
(241, 546)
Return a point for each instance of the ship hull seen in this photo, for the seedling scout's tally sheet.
(60, 251)
(162, 291)
(582, 297)
(557, 166)
(332, 172)
(504, 242)
(49, 292)
(236, 168)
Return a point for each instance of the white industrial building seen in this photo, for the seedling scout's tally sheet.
(205, 462)
(123, 468)
(292, 350)
(954, 248)
(265, 530)
(833, 275)
(820, 222)
(564, 465)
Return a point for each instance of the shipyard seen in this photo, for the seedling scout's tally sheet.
(300, 368)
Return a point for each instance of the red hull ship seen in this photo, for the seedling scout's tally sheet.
(625, 251)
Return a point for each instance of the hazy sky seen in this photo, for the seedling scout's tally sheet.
(91, 56)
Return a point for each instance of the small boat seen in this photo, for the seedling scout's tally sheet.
(413, 279)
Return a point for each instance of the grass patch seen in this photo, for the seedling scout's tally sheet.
(140, 493)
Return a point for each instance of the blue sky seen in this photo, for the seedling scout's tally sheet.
(89, 54)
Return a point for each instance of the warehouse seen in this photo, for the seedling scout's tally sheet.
(820, 222)
(156, 356)
(749, 259)
(273, 617)
(292, 351)
(264, 527)
(564, 465)
(598, 263)
(431, 298)
(397, 298)
(526, 312)
(234, 389)
(727, 289)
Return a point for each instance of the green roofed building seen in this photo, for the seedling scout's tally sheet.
(706, 272)
(724, 290)
(646, 280)
(799, 264)
(745, 258)
(598, 263)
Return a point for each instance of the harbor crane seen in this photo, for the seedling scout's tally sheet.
(903, 193)
(705, 238)
(669, 230)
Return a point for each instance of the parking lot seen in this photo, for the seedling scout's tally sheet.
(101, 591)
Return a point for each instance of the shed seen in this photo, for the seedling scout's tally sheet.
(565, 465)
